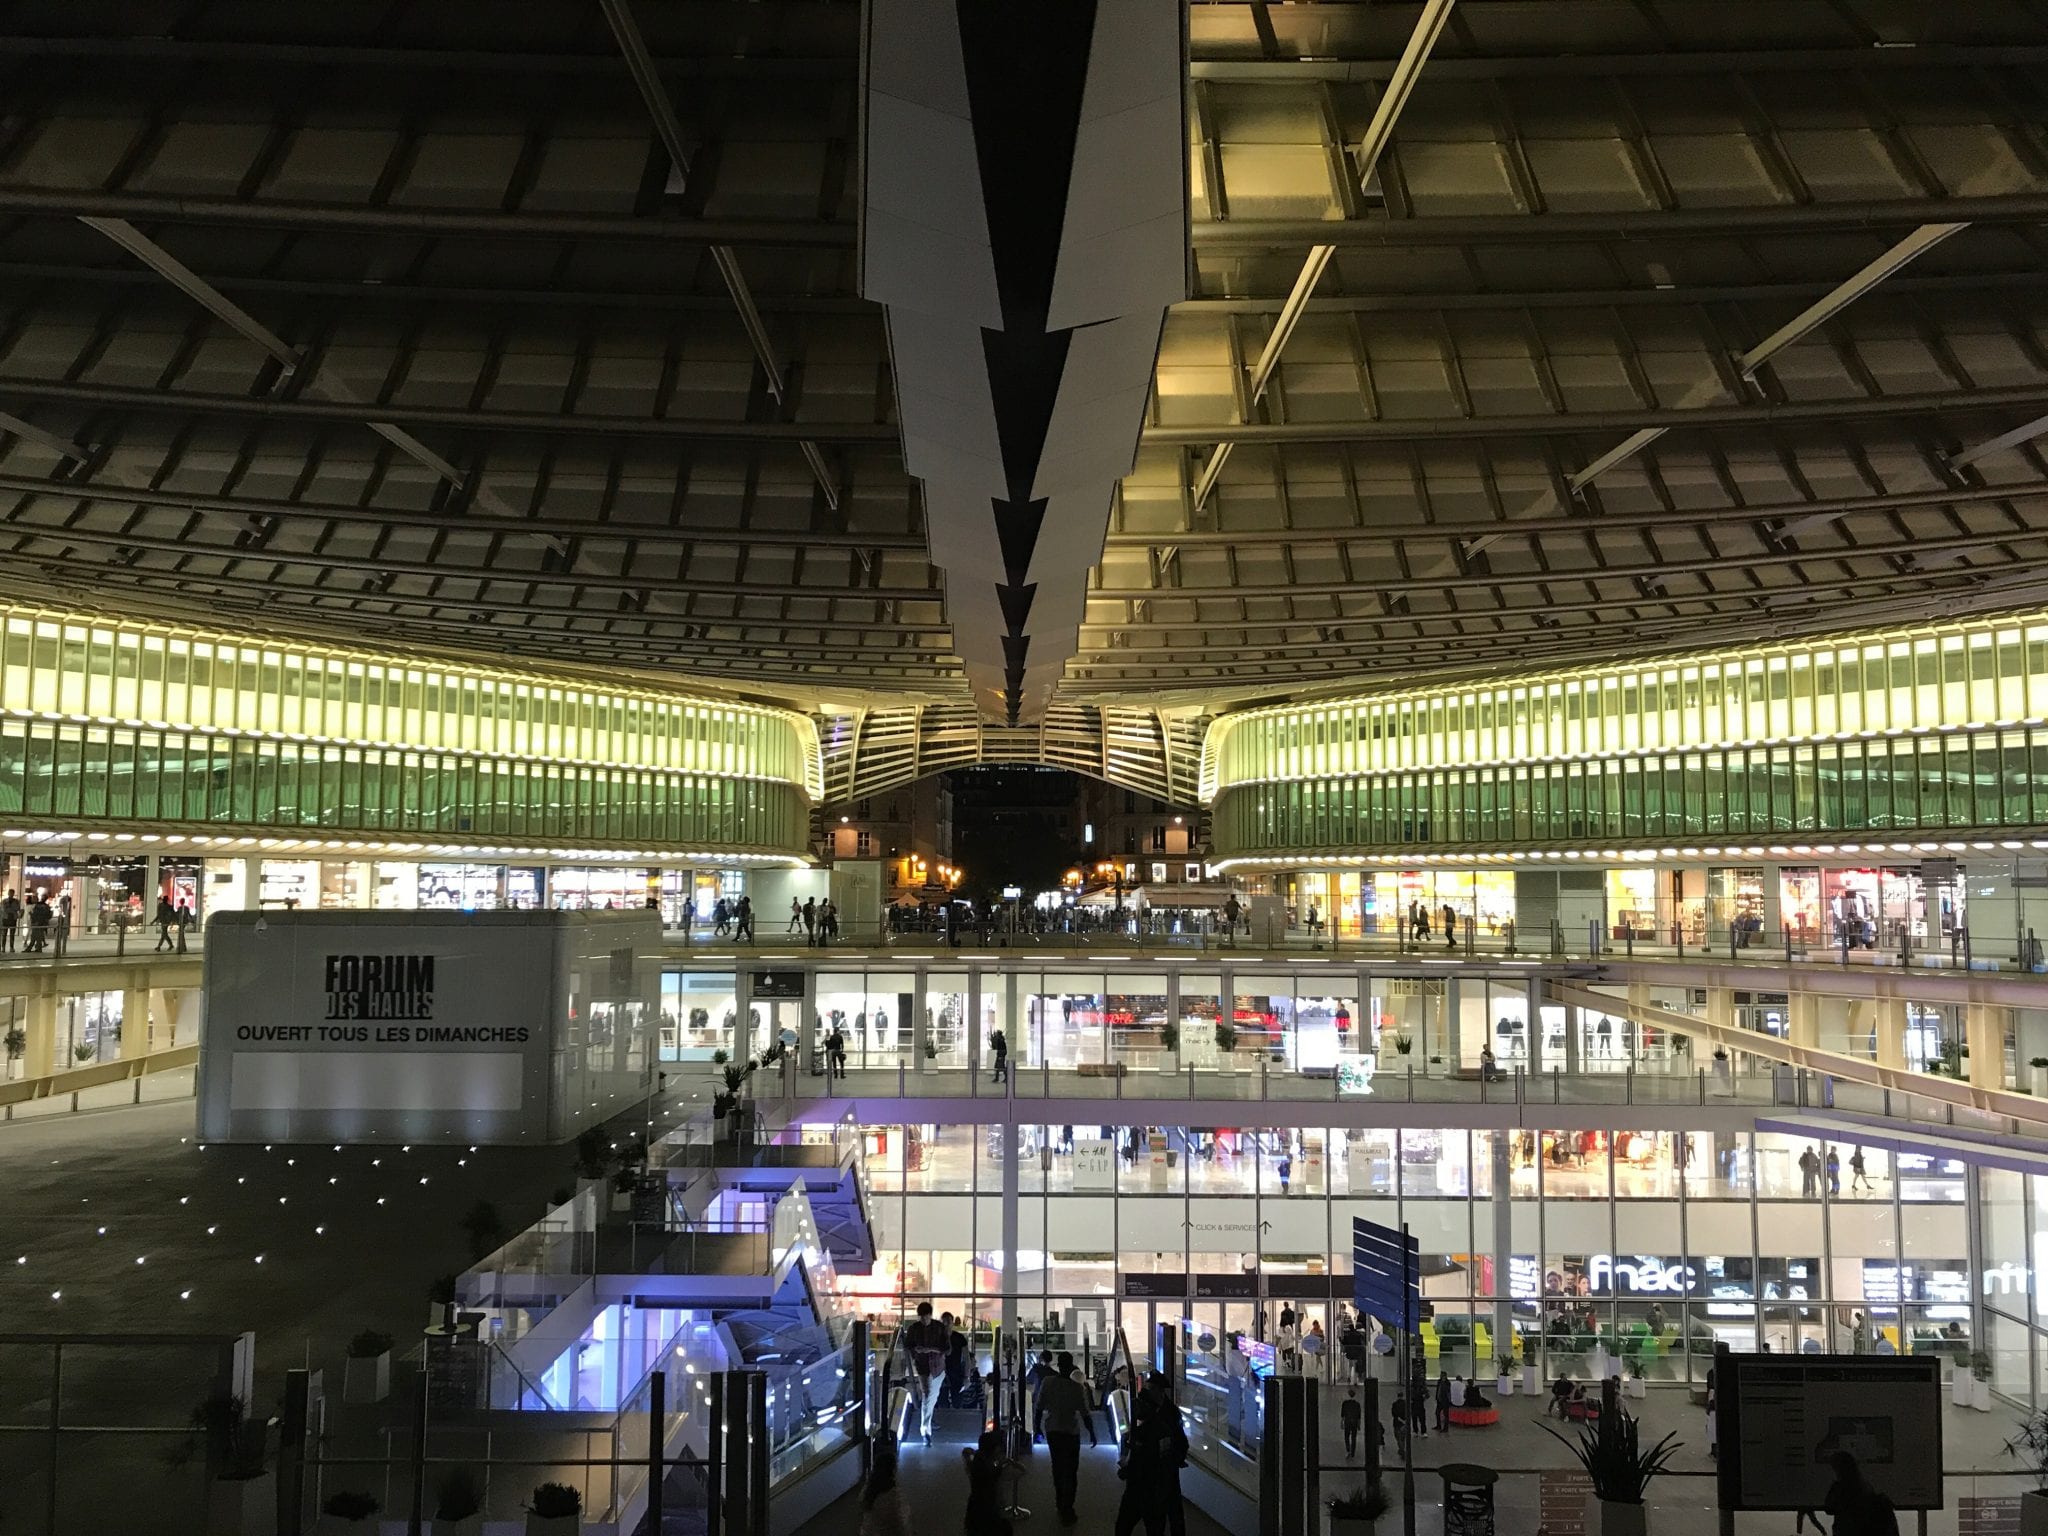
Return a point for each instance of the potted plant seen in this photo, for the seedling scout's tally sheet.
(2037, 1073)
(346, 1511)
(556, 1510)
(1635, 1384)
(1980, 1381)
(84, 1051)
(16, 1042)
(1611, 1451)
(623, 1183)
(458, 1505)
(1532, 1373)
(1403, 1042)
(366, 1373)
(1724, 1072)
(241, 1495)
(931, 1049)
(2030, 1445)
(593, 1154)
(1169, 1037)
(1353, 1514)
(720, 1057)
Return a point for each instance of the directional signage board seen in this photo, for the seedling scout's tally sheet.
(1385, 1274)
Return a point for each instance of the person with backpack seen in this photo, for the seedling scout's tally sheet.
(1352, 1415)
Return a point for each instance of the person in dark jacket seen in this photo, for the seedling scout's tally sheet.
(1443, 1402)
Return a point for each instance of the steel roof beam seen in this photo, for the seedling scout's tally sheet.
(1379, 133)
(456, 418)
(641, 66)
(1882, 216)
(1933, 403)
(86, 491)
(280, 215)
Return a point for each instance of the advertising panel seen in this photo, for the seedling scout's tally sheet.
(1785, 1417)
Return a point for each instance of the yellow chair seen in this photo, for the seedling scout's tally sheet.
(1482, 1342)
(1432, 1346)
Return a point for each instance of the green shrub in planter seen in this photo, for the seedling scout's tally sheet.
(369, 1344)
(366, 1373)
(349, 1507)
(458, 1504)
(1358, 1509)
(555, 1508)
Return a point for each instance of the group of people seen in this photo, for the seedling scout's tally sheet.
(1812, 1165)
(48, 924)
(1418, 924)
(1063, 1407)
(734, 919)
(817, 920)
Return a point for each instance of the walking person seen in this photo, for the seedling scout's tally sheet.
(1138, 1464)
(999, 1051)
(60, 923)
(186, 919)
(1450, 926)
(743, 919)
(925, 1340)
(166, 918)
(1443, 1402)
(1860, 1177)
(810, 916)
(1034, 1379)
(828, 922)
(1352, 1415)
(1809, 1174)
(39, 915)
(1418, 1400)
(1834, 1166)
(796, 916)
(1063, 1411)
(10, 921)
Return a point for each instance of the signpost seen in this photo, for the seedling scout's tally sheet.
(1386, 1284)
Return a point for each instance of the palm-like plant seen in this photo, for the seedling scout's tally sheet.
(1611, 1451)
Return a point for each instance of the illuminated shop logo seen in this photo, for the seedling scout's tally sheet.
(380, 986)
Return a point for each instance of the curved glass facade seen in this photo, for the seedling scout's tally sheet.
(1938, 781)
(112, 722)
(1863, 733)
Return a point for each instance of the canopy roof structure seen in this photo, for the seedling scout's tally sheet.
(1529, 332)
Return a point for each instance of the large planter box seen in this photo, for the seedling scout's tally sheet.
(468, 1525)
(366, 1380)
(2037, 1081)
(1344, 1527)
(1604, 1518)
(553, 1525)
(2034, 1513)
(242, 1506)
